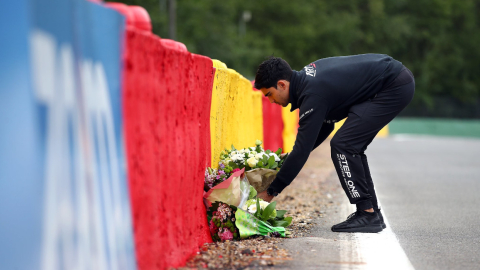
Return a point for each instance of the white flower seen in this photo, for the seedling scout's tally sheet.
(253, 208)
(252, 148)
(259, 156)
(263, 204)
(238, 157)
(252, 162)
(275, 156)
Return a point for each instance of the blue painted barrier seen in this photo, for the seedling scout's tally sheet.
(64, 200)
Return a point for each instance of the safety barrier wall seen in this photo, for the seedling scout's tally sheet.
(273, 124)
(235, 116)
(167, 94)
(381, 134)
(290, 123)
(257, 105)
(279, 125)
(81, 123)
(63, 191)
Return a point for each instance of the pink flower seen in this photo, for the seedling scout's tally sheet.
(235, 170)
(223, 211)
(213, 227)
(225, 235)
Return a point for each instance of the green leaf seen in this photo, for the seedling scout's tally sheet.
(268, 151)
(281, 213)
(252, 193)
(289, 220)
(265, 159)
(258, 213)
(280, 223)
(233, 165)
(271, 161)
(260, 164)
(268, 210)
(278, 152)
(275, 165)
(233, 148)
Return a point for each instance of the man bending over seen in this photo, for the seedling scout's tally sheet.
(369, 89)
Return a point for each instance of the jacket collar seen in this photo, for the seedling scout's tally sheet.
(295, 82)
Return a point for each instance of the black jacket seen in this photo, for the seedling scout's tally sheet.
(324, 91)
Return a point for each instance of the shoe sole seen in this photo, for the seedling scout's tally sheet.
(369, 229)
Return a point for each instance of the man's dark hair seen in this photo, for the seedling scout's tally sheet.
(271, 71)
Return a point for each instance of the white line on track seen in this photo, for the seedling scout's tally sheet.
(378, 250)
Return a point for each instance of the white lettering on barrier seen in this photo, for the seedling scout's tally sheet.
(86, 224)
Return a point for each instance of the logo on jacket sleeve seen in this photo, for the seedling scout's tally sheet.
(311, 70)
(305, 113)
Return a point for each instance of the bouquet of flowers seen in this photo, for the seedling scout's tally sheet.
(227, 222)
(252, 158)
(267, 212)
(234, 210)
(222, 222)
(261, 165)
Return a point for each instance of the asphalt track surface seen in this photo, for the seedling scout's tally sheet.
(429, 188)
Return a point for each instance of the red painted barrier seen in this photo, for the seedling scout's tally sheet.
(174, 45)
(272, 124)
(141, 18)
(167, 95)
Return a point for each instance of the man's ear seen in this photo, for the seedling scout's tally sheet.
(281, 84)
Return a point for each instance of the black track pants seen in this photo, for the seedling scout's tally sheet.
(364, 121)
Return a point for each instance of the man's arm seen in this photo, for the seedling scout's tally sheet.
(312, 114)
(325, 131)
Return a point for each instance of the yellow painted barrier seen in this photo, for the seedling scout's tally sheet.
(258, 113)
(381, 134)
(236, 112)
(290, 124)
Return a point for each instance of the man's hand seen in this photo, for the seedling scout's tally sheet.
(263, 195)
